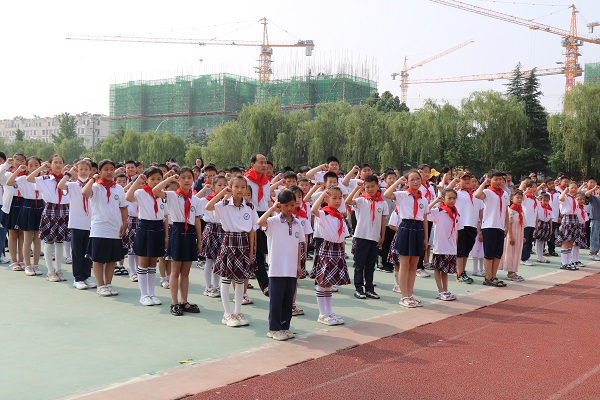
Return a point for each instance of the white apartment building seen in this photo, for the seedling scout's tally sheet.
(91, 127)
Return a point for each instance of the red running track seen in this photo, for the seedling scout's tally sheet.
(540, 346)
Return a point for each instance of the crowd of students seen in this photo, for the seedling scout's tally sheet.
(232, 221)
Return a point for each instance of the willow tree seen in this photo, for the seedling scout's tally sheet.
(326, 131)
(364, 131)
(396, 145)
(261, 123)
(438, 128)
(158, 147)
(291, 146)
(225, 144)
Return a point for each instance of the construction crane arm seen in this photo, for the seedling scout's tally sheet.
(489, 77)
(442, 54)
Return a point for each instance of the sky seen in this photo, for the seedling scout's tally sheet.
(45, 74)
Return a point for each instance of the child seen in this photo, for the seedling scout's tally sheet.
(3, 229)
(108, 224)
(530, 206)
(237, 251)
(164, 262)
(54, 225)
(79, 222)
(183, 244)
(301, 214)
(428, 193)
(389, 178)
(149, 240)
(477, 253)
(330, 261)
(580, 241)
(492, 193)
(569, 226)
(130, 232)
(393, 257)
(370, 210)
(412, 236)
(543, 229)
(284, 235)
(550, 188)
(515, 237)
(30, 214)
(212, 237)
(11, 207)
(447, 223)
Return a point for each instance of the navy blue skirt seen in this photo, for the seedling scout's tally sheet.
(30, 215)
(105, 250)
(15, 210)
(150, 238)
(410, 237)
(183, 246)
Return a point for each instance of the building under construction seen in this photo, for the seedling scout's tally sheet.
(591, 73)
(200, 103)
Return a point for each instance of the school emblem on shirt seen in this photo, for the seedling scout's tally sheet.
(116, 197)
(162, 206)
(246, 216)
(421, 206)
(193, 209)
(297, 235)
(302, 222)
(379, 210)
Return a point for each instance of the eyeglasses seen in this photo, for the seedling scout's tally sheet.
(415, 180)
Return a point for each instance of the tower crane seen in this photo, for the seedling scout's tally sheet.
(266, 47)
(489, 77)
(404, 73)
(571, 41)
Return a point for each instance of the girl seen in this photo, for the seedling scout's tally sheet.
(412, 233)
(149, 240)
(11, 206)
(212, 237)
(330, 265)
(164, 262)
(183, 238)
(569, 226)
(393, 256)
(447, 223)
(234, 261)
(54, 225)
(543, 228)
(108, 224)
(580, 240)
(130, 232)
(79, 222)
(515, 237)
(477, 253)
(301, 214)
(30, 214)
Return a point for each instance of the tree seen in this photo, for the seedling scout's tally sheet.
(197, 137)
(291, 147)
(158, 147)
(70, 149)
(67, 128)
(261, 123)
(386, 103)
(225, 144)
(193, 152)
(19, 135)
(515, 87)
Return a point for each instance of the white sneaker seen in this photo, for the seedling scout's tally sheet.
(89, 283)
(326, 320)
(52, 277)
(201, 264)
(164, 284)
(230, 320)
(103, 291)
(277, 335)
(396, 289)
(421, 273)
(146, 301)
(527, 263)
(207, 291)
(68, 260)
(4, 260)
(79, 285)
(289, 334)
(334, 288)
(445, 296)
(112, 290)
(215, 292)
(336, 319)
(242, 319)
(61, 275)
(37, 270)
(156, 300)
(595, 257)
(29, 271)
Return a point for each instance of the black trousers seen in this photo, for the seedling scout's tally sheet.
(552, 241)
(261, 252)
(385, 248)
(365, 257)
(422, 258)
(82, 265)
(528, 244)
(281, 299)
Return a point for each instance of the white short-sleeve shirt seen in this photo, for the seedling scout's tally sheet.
(394, 219)
(566, 206)
(555, 204)
(283, 241)
(468, 210)
(329, 226)
(494, 215)
(48, 188)
(530, 208)
(446, 236)
(176, 206)
(367, 227)
(207, 216)
(541, 215)
(106, 212)
(28, 190)
(405, 205)
(145, 204)
(78, 217)
(234, 218)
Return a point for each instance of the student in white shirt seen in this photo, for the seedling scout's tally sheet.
(301, 213)
(3, 229)
(530, 207)
(11, 207)
(284, 235)
(580, 241)
(569, 226)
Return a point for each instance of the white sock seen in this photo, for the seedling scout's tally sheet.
(151, 281)
(328, 300)
(565, 255)
(539, 249)
(239, 297)
(208, 272)
(59, 255)
(320, 293)
(142, 274)
(396, 278)
(132, 262)
(479, 264)
(216, 278)
(68, 249)
(48, 249)
(475, 265)
(225, 284)
(575, 253)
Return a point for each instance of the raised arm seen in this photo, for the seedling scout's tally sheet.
(312, 191)
(138, 183)
(62, 185)
(15, 174)
(158, 189)
(31, 177)
(389, 192)
(317, 204)
(311, 174)
(210, 206)
(350, 199)
(262, 221)
(479, 192)
(350, 175)
(87, 189)
(562, 196)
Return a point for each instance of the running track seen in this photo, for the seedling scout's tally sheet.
(540, 346)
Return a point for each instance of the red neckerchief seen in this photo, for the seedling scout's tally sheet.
(299, 212)
(532, 197)
(128, 177)
(426, 185)
(20, 174)
(452, 213)
(335, 213)
(373, 200)
(562, 189)
(260, 180)
(574, 203)
(508, 183)
(500, 193)
(188, 204)
(107, 186)
(582, 213)
(518, 209)
(148, 190)
(58, 178)
(416, 197)
(470, 191)
(546, 208)
(85, 199)
(552, 193)
(210, 197)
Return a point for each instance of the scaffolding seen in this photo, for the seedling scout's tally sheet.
(192, 104)
(591, 73)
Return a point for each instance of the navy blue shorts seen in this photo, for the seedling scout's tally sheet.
(493, 243)
(466, 241)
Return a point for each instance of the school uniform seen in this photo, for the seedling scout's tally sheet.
(569, 227)
(389, 234)
(544, 217)
(410, 237)
(105, 245)
(132, 222)
(80, 222)
(54, 225)
(427, 190)
(530, 206)
(302, 216)
(283, 244)
(212, 234)
(150, 234)
(329, 267)
(468, 207)
(3, 229)
(392, 256)
(260, 201)
(493, 224)
(11, 200)
(582, 218)
(445, 239)
(317, 237)
(233, 261)
(369, 216)
(31, 210)
(183, 240)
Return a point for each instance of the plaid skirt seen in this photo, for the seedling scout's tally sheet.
(54, 223)
(543, 231)
(303, 260)
(149, 238)
(12, 218)
(212, 238)
(30, 215)
(233, 260)
(580, 237)
(330, 265)
(444, 263)
(393, 256)
(568, 228)
(129, 237)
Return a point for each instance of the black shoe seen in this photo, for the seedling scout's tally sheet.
(266, 291)
(191, 308)
(176, 310)
(359, 294)
(554, 254)
(372, 295)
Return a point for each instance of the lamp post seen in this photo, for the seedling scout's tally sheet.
(161, 122)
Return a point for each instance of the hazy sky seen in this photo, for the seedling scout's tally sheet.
(44, 74)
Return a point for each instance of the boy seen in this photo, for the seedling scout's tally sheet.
(371, 211)
(130, 170)
(389, 177)
(594, 199)
(530, 205)
(284, 234)
(550, 188)
(331, 165)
